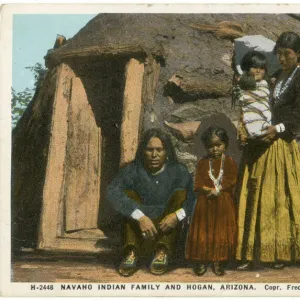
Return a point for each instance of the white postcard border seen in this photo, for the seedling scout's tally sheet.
(9, 288)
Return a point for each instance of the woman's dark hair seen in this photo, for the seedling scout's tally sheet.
(253, 59)
(214, 131)
(155, 132)
(288, 39)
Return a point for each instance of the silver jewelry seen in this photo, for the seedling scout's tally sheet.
(217, 181)
(280, 127)
(279, 89)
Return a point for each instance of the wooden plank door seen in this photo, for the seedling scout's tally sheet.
(82, 164)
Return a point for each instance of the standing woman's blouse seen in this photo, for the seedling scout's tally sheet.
(285, 106)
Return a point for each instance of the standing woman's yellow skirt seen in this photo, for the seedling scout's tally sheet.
(269, 203)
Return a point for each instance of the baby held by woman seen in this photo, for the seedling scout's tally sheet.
(253, 96)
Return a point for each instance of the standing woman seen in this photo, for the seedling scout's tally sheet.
(269, 198)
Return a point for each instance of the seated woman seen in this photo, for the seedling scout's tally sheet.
(154, 193)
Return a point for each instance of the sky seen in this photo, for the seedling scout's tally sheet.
(33, 35)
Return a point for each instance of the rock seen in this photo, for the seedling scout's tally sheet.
(227, 59)
(185, 131)
(203, 108)
(170, 100)
(150, 119)
(188, 159)
(259, 43)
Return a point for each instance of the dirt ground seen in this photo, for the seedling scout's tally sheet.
(41, 267)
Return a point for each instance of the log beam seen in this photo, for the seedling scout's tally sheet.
(53, 189)
(132, 107)
(183, 89)
(55, 57)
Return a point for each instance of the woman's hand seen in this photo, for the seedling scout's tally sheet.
(169, 222)
(147, 227)
(269, 135)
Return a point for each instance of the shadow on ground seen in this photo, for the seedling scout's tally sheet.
(54, 267)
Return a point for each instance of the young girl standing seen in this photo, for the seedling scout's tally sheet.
(212, 232)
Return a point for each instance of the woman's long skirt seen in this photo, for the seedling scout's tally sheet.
(269, 204)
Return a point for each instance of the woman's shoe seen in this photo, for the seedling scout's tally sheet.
(245, 266)
(128, 265)
(218, 269)
(278, 266)
(200, 269)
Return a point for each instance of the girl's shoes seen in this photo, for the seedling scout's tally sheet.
(218, 269)
(200, 269)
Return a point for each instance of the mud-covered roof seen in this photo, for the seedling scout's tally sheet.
(149, 29)
(176, 37)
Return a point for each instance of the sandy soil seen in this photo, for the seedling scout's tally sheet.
(36, 267)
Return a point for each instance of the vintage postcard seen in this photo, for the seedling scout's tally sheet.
(150, 150)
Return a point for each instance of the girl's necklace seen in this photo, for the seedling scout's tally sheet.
(279, 89)
(217, 181)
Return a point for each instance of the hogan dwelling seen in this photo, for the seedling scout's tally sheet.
(118, 76)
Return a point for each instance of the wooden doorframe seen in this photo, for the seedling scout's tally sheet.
(50, 235)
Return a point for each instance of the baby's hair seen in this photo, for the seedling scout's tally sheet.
(253, 59)
(214, 131)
